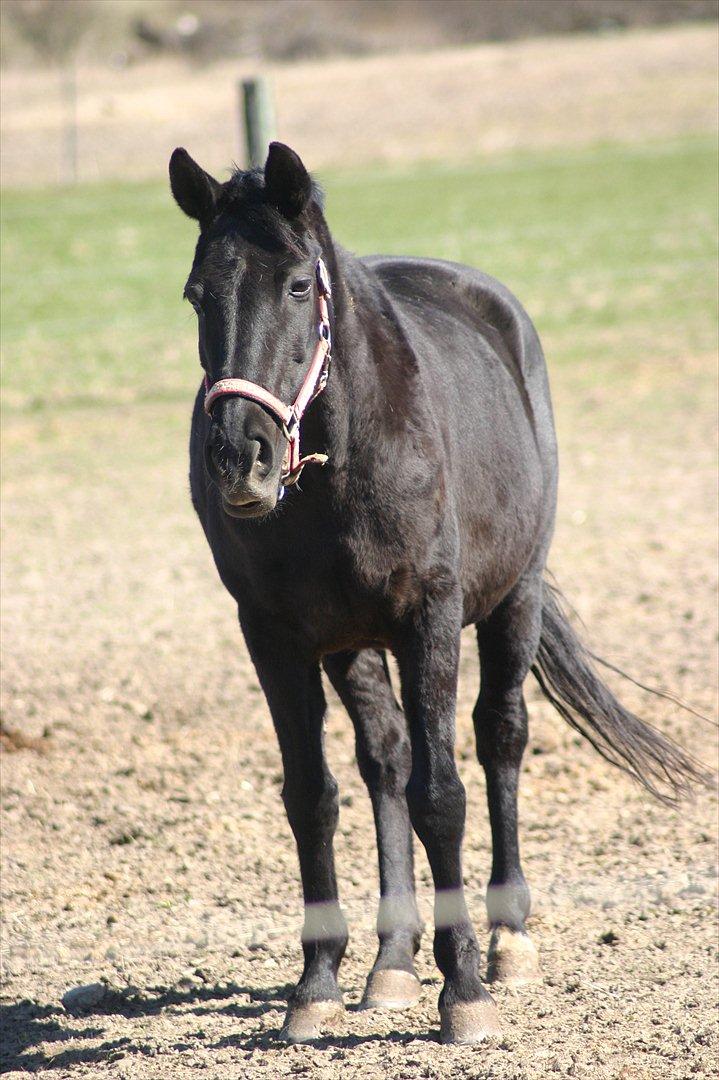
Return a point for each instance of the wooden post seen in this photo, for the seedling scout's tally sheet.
(69, 93)
(259, 118)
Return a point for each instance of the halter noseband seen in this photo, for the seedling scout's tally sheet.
(314, 383)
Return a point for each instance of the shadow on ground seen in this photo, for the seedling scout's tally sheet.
(33, 1034)
(27, 1026)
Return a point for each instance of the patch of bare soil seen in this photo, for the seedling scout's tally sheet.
(146, 854)
(447, 104)
(12, 740)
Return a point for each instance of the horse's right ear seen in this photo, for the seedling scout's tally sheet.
(287, 183)
(195, 190)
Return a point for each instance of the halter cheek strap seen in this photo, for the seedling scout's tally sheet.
(289, 416)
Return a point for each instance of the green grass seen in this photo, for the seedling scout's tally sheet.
(612, 250)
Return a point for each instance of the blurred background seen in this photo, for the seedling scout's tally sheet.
(102, 89)
(567, 147)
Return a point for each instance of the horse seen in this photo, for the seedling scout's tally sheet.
(426, 503)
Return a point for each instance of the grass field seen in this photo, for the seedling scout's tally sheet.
(612, 250)
(145, 844)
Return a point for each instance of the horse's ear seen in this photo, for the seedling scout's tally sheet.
(287, 183)
(195, 190)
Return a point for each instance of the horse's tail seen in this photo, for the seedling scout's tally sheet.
(569, 679)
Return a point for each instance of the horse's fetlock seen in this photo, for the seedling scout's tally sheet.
(459, 961)
(324, 940)
(508, 903)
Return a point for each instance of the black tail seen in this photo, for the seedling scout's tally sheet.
(567, 676)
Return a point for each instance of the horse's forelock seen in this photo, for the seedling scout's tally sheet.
(243, 199)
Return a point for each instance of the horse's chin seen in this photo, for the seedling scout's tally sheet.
(258, 509)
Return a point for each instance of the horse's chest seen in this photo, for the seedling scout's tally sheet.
(336, 588)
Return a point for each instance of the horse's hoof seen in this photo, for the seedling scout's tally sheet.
(305, 1022)
(511, 958)
(469, 1021)
(391, 988)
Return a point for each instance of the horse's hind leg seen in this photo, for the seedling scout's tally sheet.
(362, 681)
(508, 641)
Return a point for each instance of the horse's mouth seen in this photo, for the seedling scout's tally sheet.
(256, 508)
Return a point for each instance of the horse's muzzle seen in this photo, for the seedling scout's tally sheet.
(249, 508)
(245, 469)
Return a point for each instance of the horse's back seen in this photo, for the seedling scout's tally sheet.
(434, 292)
(478, 342)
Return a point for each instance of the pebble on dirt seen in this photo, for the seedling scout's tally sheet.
(80, 998)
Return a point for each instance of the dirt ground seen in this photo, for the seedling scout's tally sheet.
(144, 842)
(448, 104)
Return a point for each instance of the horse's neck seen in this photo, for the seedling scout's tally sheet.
(355, 325)
(372, 363)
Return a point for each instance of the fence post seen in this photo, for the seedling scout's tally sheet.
(69, 93)
(259, 118)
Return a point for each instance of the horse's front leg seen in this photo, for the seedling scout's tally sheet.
(428, 656)
(293, 688)
(363, 683)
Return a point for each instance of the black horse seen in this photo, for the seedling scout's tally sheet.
(435, 509)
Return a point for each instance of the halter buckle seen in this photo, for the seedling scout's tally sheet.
(290, 426)
(324, 375)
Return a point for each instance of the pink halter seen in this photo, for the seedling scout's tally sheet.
(314, 383)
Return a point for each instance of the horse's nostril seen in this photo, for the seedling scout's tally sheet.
(245, 458)
(263, 459)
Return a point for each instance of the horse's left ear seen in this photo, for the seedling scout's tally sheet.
(195, 190)
(287, 183)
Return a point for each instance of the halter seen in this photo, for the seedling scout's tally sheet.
(289, 416)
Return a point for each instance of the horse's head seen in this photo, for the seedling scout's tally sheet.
(253, 285)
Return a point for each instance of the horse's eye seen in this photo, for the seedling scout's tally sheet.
(193, 293)
(300, 288)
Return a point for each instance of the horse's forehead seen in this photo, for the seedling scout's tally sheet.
(231, 252)
(224, 249)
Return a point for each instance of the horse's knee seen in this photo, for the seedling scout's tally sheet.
(312, 804)
(437, 807)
